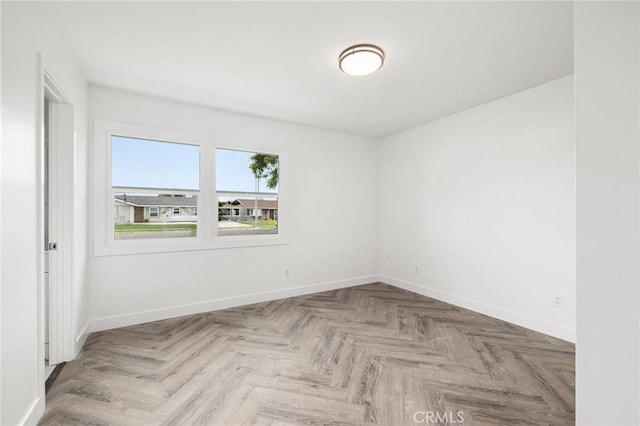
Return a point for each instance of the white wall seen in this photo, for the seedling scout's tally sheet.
(607, 70)
(330, 174)
(0, 208)
(483, 202)
(26, 30)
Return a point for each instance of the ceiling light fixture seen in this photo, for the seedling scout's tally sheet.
(361, 59)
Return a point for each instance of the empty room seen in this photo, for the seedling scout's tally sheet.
(320, 213)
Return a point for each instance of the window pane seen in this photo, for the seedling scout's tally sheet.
(256, 174)
(139, 216)
(247, 215)
(242, 171)
(141, 163)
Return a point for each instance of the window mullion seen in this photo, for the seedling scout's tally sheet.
(134, 190)
(206, 211)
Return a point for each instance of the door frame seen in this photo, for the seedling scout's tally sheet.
(61, 195)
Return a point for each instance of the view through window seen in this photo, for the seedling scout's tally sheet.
(246, 192)
(155, 187)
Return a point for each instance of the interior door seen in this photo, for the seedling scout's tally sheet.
(47, 224)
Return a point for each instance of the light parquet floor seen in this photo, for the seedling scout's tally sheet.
(372, 354)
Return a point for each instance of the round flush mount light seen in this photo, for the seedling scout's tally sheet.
(361, 59)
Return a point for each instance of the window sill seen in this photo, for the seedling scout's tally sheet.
(150, 246)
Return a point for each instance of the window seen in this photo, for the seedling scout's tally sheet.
(150, 182)
(160, 190)
(247, 192)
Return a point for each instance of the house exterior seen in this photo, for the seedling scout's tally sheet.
(242, 209)
(167, 208)
(154, 209)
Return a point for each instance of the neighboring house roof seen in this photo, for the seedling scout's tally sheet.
(169, 201)
(250, 203)
(157, 201)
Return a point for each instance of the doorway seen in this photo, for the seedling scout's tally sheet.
(56, 225)
(138, 214)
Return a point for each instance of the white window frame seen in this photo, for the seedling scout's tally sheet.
(206, 238)
(173, 210)
(154, 209)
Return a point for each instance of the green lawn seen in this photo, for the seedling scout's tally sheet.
(147, 227)
(262, 223)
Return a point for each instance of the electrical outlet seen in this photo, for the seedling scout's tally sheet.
(287, 274)
(417, 270)
(558, 301)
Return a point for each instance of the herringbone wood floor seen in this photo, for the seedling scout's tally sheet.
(371, 354)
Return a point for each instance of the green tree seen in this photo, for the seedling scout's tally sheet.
(265, 166)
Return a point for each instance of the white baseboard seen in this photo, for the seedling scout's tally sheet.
(81, 339)
(35, 412)
(532, 323)
(116, 321)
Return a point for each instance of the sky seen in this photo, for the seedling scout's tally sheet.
(151, 164)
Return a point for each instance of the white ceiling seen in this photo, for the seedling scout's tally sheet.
(279, 60)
